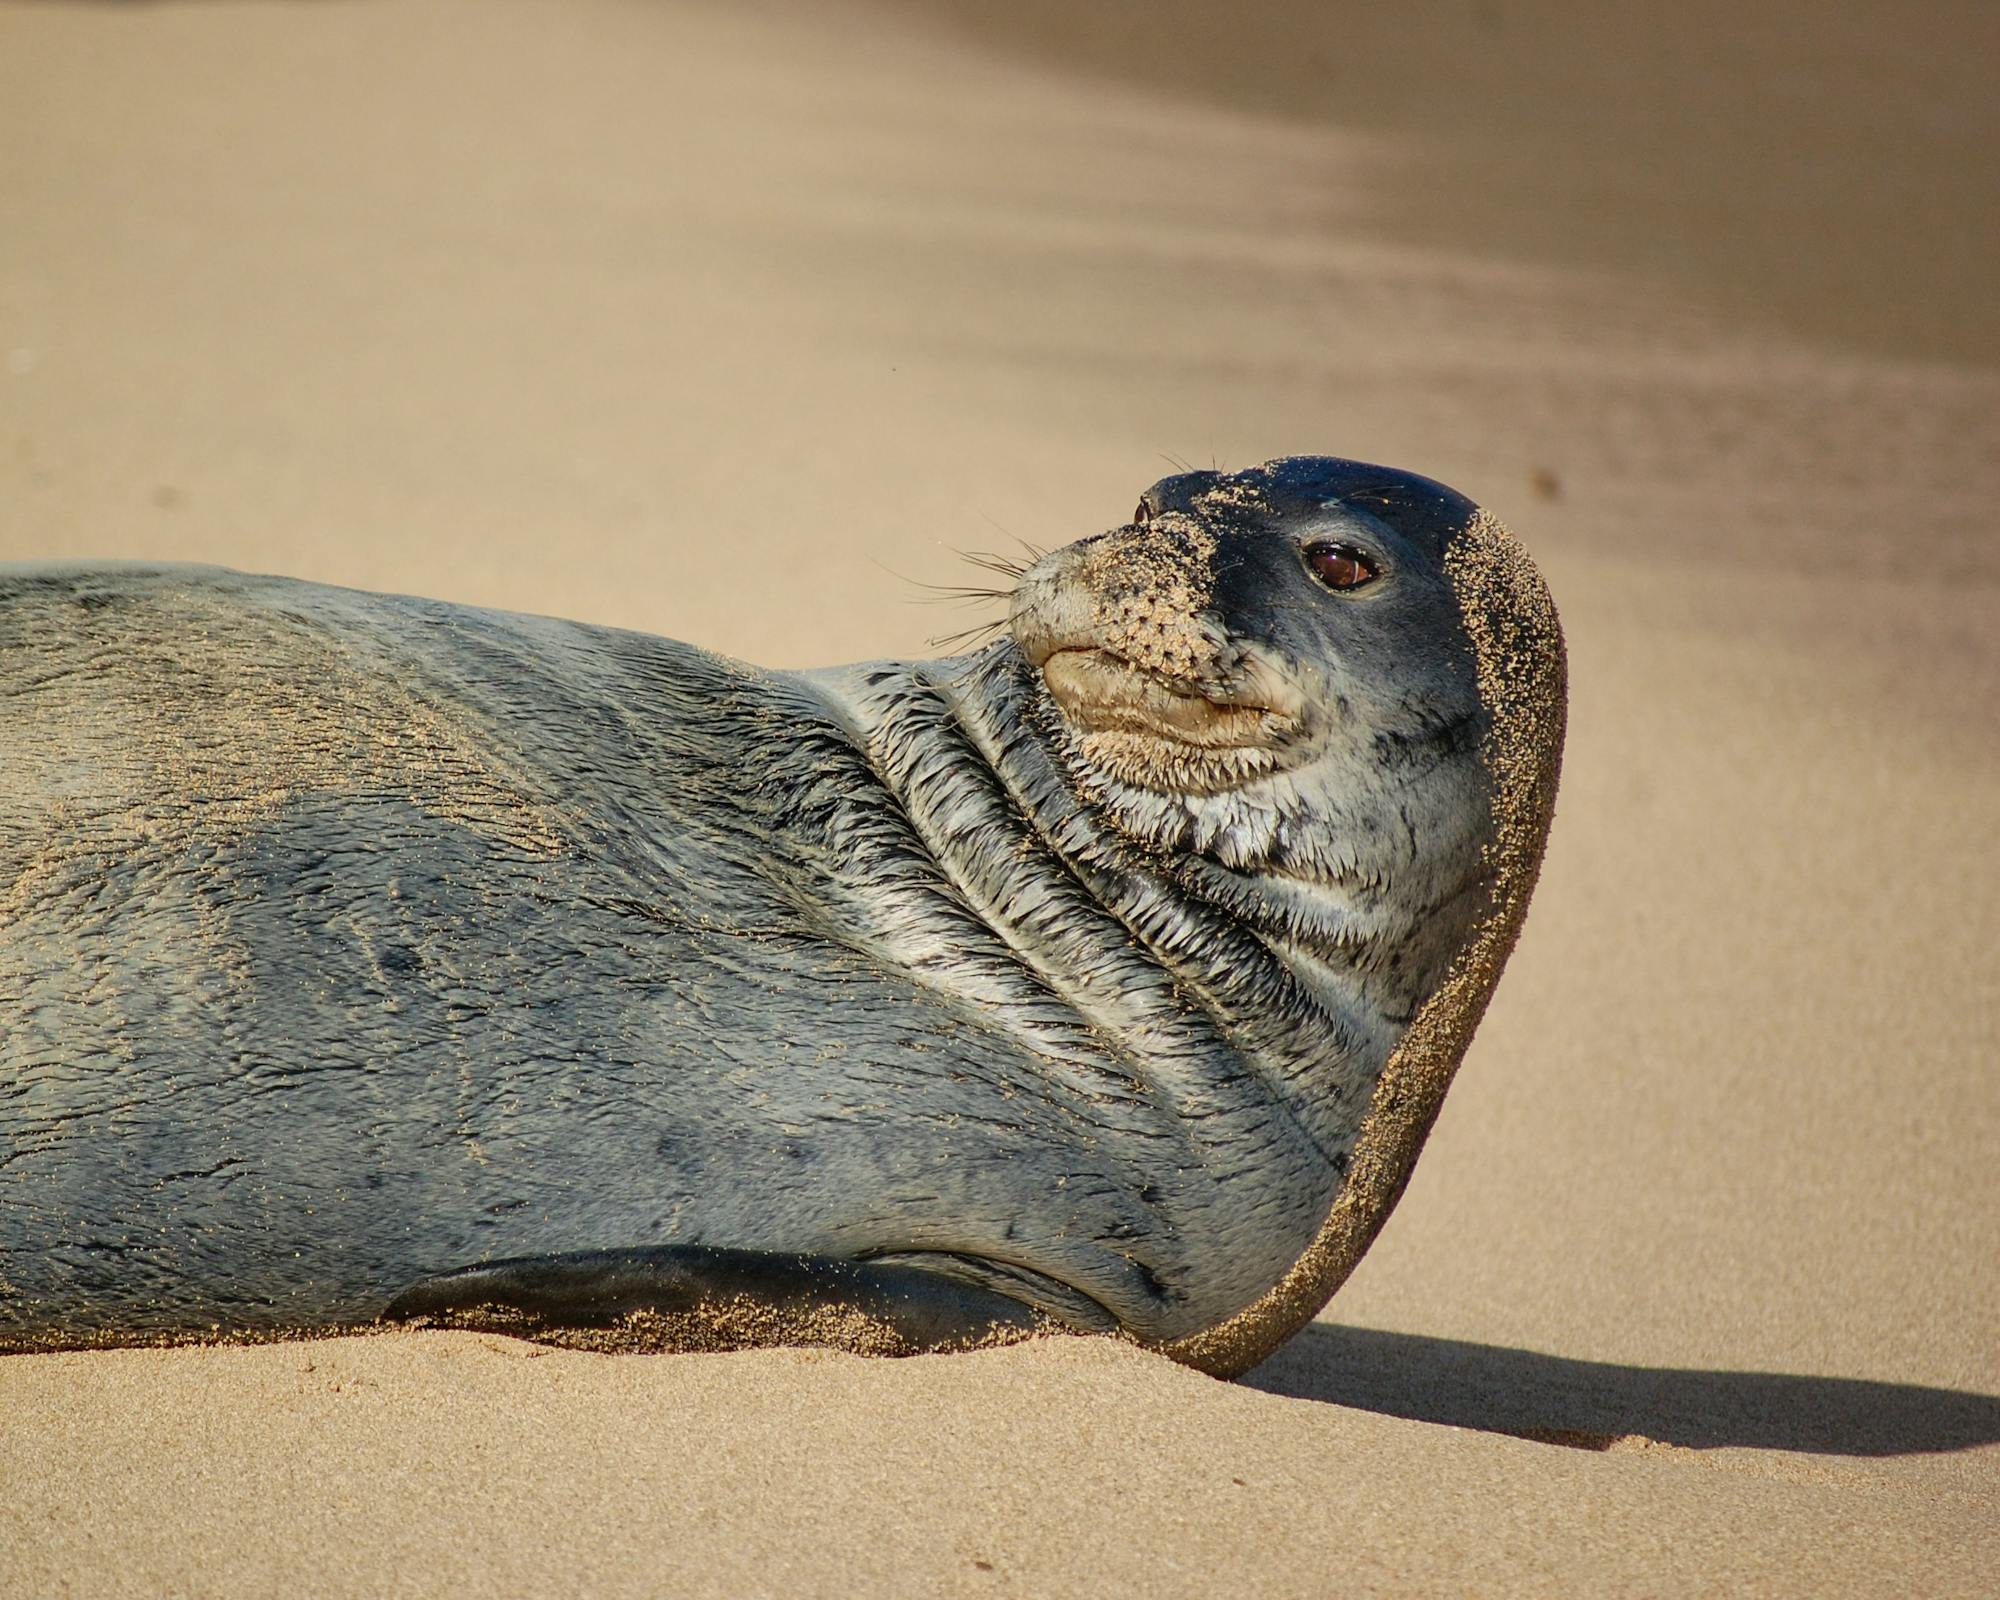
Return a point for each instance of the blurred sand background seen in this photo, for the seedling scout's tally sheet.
(733, 322)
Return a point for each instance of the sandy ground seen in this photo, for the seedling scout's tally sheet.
(733, 324)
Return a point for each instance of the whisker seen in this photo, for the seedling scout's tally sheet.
(949, 594)
(997, 525)
(971, 594)
(1002, 566)
(977, 634)
(1035, 552)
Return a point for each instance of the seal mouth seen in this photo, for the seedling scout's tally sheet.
(1169, 734)
(1101, 692)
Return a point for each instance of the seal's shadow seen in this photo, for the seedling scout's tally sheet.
(1591, 1404)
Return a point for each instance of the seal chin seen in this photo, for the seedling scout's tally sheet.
(1143, 727)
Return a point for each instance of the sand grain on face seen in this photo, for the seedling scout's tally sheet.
(1152, 583)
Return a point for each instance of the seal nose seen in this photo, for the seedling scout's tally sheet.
(1181, 492)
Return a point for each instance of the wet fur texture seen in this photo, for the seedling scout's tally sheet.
(346, 940)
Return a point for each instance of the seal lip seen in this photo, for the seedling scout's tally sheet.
(1099, 690)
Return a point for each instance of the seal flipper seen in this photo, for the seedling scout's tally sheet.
(702, 1297)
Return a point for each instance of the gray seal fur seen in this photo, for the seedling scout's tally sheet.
(365, 953)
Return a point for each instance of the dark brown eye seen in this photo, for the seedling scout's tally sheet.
(1339, 566)
(1145, 511)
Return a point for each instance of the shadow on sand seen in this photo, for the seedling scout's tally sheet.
(1592, 1405)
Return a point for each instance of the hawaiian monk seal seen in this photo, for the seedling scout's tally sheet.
(366, 955)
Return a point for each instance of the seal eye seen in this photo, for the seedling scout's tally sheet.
(1339, 566)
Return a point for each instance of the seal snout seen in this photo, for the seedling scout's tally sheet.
(1124, 630)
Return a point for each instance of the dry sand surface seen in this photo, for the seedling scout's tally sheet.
(726, 323)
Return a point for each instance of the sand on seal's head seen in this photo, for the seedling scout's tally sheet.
(1523, 681)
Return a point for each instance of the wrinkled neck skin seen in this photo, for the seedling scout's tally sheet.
(1264, 944)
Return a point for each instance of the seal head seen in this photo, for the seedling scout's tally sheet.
(1270, 672)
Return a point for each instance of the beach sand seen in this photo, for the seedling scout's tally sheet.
(740, 323)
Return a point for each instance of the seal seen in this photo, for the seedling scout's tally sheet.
(367, 957)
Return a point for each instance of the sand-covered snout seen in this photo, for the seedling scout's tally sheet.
(1123, 629)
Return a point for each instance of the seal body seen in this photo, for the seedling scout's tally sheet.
(361, 951)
